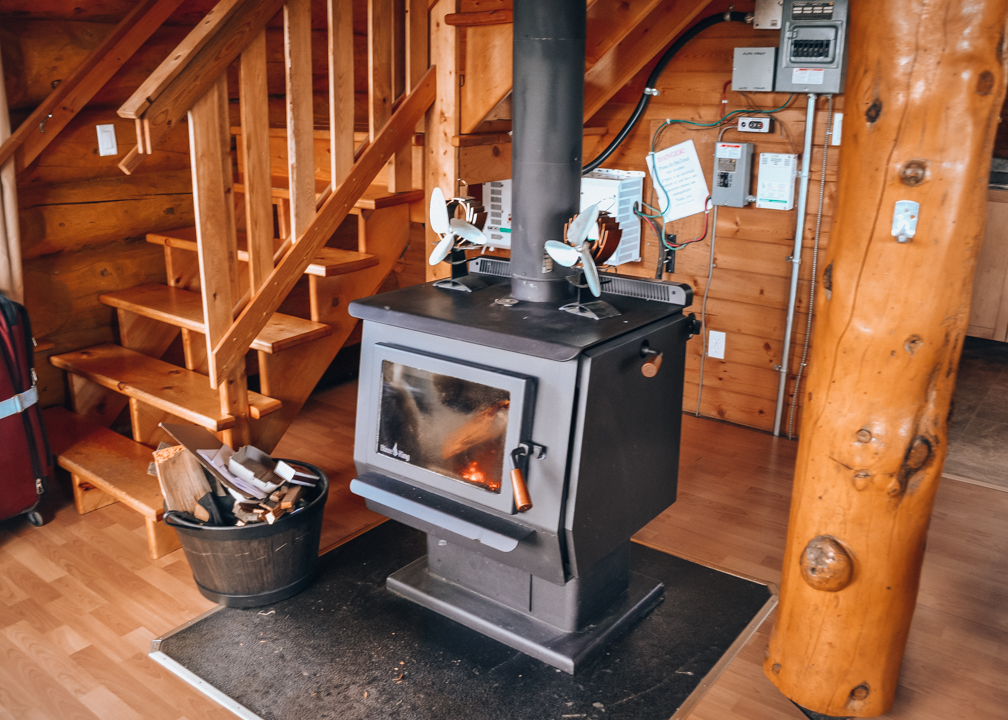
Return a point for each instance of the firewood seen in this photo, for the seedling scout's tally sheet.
(182, 480)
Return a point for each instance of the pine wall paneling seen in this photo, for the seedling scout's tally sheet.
(749, 292)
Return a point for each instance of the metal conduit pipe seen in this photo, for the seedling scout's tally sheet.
(795, 261)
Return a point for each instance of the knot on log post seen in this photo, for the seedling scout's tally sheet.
(826, 565)
(914, 172)
(917, 456)
(858, 696)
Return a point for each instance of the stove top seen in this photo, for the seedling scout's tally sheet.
(537, 329)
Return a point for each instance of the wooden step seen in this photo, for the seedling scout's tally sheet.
(328, 263)
(106, 467)
(376, 197)
(184, 309)
(172, 389)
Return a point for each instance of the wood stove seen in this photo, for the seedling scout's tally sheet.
(529, 443)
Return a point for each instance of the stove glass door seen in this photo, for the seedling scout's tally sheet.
(447, 424)
(456, 428)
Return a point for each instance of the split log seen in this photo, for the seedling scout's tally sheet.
(922, 112)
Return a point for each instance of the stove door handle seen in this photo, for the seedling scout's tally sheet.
(523, 501)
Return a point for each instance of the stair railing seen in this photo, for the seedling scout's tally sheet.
(192, 84)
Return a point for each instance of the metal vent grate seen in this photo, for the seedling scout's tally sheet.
(490, 266)
(672, 293)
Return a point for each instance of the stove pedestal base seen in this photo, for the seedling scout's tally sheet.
(564, 650)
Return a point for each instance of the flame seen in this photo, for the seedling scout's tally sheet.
(472, 473)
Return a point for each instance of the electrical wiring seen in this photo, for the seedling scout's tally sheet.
(649, 88)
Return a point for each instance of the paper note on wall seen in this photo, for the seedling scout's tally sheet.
(678, 181)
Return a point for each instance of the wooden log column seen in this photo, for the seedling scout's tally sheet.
(925, 84)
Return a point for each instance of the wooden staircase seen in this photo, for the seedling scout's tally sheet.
(224, 286)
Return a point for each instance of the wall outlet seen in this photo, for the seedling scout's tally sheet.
(715, 344)
(107, 144)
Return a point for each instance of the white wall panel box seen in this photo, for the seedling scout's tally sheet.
(107, 144)
(775, 186)
(768, 14)
(615, 191)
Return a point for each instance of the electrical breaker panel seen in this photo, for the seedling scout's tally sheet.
(776, 181)
(732, 171)
(813, 47)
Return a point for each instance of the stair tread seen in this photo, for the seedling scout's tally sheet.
(112, 463)
(329, 262)
(184, 309)
(181, 392)
(376, 196)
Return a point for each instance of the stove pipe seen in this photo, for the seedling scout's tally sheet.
(547, 125)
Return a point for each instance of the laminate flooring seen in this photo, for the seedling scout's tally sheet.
(80, 600)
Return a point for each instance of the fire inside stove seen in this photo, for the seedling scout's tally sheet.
(453, 427)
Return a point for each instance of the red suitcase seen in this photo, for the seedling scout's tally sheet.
(25, 460)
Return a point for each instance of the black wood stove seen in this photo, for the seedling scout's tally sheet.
(529, 443)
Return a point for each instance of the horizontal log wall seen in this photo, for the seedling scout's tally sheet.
(749, 293)
(83, 221)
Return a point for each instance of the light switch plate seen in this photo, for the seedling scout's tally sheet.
(715, 344)
(107, 144)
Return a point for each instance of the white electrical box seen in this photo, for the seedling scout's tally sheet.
(497, 201)
(615, 191)
(776, 181)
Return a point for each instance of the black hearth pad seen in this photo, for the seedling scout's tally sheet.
(348, 648)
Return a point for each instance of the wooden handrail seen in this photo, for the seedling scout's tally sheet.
(188, 74)
(396, 133)
(74, 92)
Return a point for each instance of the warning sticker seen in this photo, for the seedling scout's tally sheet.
(808, 76)
(728, 150)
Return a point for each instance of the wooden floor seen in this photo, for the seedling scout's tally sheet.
(80, 601)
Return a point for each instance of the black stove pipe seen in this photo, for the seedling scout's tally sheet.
(547, 126)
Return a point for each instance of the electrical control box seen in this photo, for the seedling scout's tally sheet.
(732, 173)
(615, 191)
(776, 180)
(813, 47)
(768, 14)
(753, 69)
(761, 124)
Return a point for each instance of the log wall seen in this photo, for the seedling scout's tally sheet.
(749, 293)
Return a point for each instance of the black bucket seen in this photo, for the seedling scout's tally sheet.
(260, 563)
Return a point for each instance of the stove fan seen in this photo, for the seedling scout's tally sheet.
(580, 248)
(449, 228)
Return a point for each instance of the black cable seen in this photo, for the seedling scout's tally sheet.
(642, 104)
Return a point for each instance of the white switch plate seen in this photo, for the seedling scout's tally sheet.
(715, 344)
(107, 144)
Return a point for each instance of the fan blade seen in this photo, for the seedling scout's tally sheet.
(443, 248)
(578, 231)
(562, 253)
(590, 273)
(438, 213)
(466, 231)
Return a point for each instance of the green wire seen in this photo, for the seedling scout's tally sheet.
(658, 130)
